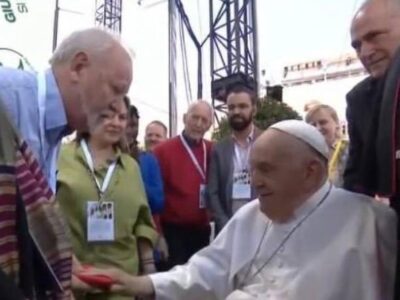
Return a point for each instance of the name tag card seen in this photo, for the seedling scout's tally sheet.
(100, 221)
(202, 196)
(241, 188)
(241, 191)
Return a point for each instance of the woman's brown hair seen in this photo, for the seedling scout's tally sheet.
(122, 144)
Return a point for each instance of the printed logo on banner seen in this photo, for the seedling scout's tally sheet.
(13, 59)
(9, 12)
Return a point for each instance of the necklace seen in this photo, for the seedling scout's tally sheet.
(281, 244)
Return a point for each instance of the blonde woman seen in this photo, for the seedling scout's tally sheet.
(325, 119)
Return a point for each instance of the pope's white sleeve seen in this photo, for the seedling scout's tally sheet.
(373, 265)
(205, 276)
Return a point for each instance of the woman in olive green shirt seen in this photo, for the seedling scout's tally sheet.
(101, 194)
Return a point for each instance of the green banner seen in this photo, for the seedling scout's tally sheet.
(11, 11)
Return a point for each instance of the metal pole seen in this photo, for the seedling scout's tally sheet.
(199, 74)
(237, 37)
(172, 69)
(55, 25)
(229, 35)
(120, 20)
(255, 43)
(212, 37)
(246, 47)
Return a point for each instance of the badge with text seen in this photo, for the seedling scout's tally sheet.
(241, 188)
(202, 196)
(100, 221)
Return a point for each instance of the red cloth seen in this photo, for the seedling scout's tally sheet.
(182, 181)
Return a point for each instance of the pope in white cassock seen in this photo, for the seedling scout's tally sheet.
(302, 239)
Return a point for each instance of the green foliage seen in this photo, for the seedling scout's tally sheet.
(269, 111)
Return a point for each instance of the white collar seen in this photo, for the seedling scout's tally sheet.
(249, 138)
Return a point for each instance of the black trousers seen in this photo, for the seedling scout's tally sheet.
(184, 241)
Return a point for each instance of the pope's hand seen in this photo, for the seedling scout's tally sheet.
(80, 286)
(126, 284)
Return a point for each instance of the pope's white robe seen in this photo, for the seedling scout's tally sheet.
(345, 250)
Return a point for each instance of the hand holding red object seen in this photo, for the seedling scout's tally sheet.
(97, 280)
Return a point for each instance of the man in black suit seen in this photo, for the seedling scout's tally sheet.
(372, 107)
(375, 33)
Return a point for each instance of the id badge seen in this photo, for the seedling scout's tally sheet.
(100, 221)
(241, 191)
(202, 196)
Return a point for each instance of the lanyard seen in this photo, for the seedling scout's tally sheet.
(283, 242)
(203, 170)
(109, 173)
(48, 166)
(333, 162)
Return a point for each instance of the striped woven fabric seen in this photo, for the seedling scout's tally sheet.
(8, 238)
(21, 176)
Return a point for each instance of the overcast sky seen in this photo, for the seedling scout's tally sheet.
(289, 31)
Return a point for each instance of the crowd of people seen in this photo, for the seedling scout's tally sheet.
(284, 213)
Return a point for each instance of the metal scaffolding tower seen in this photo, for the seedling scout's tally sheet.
(233, 47)
(109, 14)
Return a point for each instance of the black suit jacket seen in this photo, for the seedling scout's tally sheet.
(362, 101)
(372, 115)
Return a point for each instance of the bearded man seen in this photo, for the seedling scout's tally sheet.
(228, 184)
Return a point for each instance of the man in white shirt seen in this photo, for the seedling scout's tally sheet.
(302, 239)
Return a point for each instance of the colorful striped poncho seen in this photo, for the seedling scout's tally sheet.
(34, 246)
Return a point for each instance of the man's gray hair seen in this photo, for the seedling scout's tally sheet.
(93, 40)
(202, 102)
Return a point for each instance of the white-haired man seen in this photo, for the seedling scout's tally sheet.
(302, 239)
(90, 71)
(184, 162)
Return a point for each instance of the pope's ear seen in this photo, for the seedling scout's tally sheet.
(315, 170)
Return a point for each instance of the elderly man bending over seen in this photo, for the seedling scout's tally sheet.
(302, 239)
